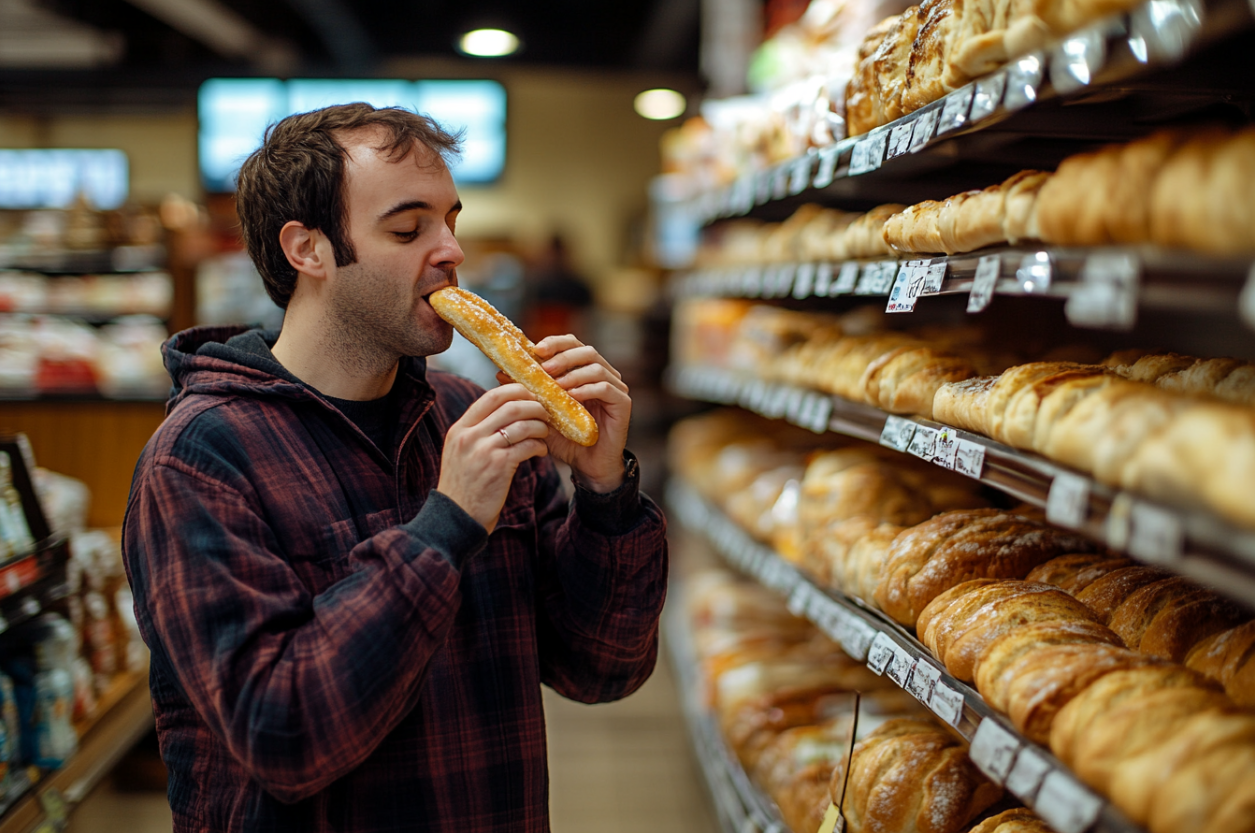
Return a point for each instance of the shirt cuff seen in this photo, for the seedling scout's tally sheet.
(612, 513)
(445, 527)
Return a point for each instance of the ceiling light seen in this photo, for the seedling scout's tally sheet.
(489, 43)
(660, 104)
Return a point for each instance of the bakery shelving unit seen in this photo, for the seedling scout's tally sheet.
(1024, 768)
(1194, 543)
(29, 584)
(740, 806)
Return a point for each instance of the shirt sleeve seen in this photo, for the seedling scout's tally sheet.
(301, 689)
(601, 586)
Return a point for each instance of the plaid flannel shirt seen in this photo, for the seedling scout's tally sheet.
(335, 645)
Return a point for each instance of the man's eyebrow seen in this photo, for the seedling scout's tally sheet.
(413, 205)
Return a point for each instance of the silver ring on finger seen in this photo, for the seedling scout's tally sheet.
(505, 436)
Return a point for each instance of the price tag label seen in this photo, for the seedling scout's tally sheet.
(900, 667)
(934, 277)
(1075, 61)
(1165, 30)
(783, 285)
(847, 278)
(880, 653)
(1246, 301)
(907, 288)
(1027, 773)
(1107, 296)
(924, 443)
(1065, 805)
(752, 282)
(744, 193)
(1157, 535)
(994, 750)
(1068, 501)
(819, 414)
(1119, 522)
(925, 676)
(857, 638)
(780, 178)
(897, 433)
(1024, 78)
(823, 279)
(1034, 273)
(869, 153)
(826, 170)
(832, 823)
(945, 448)
(877, 278)
(946, 703)
(954, 111)
(800, 173)
(925, 127)
(762, 187)
(900, 139)
(988, 96)
(987, 272)
(804, 281)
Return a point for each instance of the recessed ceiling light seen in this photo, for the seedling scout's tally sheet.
(489, 43)
(660, 104)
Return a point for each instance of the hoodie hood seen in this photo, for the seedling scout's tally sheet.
(235, 361)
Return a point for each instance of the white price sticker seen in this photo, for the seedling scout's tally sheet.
(880, 653)
(945, 448)
(934, 277)
(925, 126)
(1068, 501)
(816, 413)
(869, 153)
(897, 433)
(762, 187)
(988, 96)
(987, 272)
(994, 749)
(804, 282)
(1024, 77)
(1027, 773)
(780, 179)
(900, 139)
(921, 684)
(1065, 805)
(900, 666)
(907, 288)
(1119, 521)
(858, 637)
(847, 279)
(800, 599)
(923, 443)
(752, 282)
(800, 177)
(954, 111)
(823, 279)
(827, 168)
(1157, 535)
(947, 704)
(1034, 273)
(1107, 296)
(877, 278)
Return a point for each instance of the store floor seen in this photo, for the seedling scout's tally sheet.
(622, 767)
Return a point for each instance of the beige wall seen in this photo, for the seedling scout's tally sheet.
(578, 160)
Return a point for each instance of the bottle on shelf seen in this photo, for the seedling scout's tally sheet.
(14, 529)
(55, 738)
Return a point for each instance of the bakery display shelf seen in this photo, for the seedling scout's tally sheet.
(33, 583)
(998, 123)
(1104, 287)
(1025, 769)
(740, 806)
(1193, 543)
(86, 261)
(123, 716)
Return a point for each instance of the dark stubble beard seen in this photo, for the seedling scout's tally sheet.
(372, 324)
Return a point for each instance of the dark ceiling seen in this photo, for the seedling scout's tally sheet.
(157, 62)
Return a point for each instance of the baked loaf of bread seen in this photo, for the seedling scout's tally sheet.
(954, 547)
(1228, 657)
(1077, 571)
(1015, 820)
(908, 776)
(968, 221)
(1232, 380)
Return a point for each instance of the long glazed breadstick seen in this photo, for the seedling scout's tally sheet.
(511, 351)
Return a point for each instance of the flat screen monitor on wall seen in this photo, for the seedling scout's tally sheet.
(235, 112)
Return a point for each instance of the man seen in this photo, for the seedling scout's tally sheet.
(354, 573)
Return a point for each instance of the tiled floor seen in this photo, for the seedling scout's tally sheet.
(617, 768)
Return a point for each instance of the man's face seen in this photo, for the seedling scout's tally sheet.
(401, 216)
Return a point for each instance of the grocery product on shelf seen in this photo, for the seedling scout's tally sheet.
(15, 533)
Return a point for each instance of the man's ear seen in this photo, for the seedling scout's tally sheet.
(308, 250)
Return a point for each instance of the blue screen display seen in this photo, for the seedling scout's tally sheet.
(235, 112)
(55, 178)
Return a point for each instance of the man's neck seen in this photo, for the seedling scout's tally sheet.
(333, 362)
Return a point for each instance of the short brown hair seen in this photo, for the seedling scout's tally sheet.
(298, 174)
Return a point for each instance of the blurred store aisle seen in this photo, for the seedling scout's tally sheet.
(621, 767)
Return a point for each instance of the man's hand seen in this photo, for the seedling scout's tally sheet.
(480, 460)
(591, 380)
